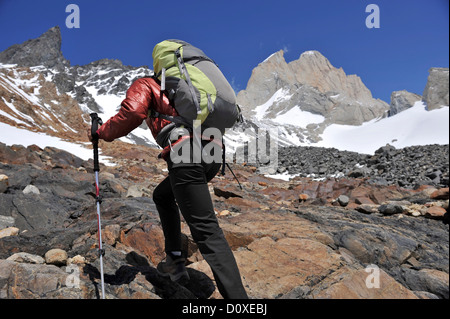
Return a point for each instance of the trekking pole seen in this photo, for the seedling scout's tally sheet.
(96, 121)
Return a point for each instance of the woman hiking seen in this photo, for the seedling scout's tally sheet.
(184, 190)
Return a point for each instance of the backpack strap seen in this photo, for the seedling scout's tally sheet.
(178, 120)
(175, 119)
(183, 70)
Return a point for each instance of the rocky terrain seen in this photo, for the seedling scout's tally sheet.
(298, 239)
(409, 167)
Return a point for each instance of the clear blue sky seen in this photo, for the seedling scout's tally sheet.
(413, 35)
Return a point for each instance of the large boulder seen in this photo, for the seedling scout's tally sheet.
(402, 100)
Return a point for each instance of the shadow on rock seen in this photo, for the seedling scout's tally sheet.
(200, 286)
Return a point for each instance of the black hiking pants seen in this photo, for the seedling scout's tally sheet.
(186, 188)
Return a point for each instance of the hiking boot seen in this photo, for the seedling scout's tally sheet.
(173, 267)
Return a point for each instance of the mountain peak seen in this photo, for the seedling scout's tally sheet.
(312, 60)
(44, 50)
(310, 53)
(277, 56)
(316, 70)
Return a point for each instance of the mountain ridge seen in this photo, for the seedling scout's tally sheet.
(312, 89)
(81, 87)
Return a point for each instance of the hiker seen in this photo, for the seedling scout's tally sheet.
(185, 189)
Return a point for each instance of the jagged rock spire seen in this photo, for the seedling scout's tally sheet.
(45, 50)
(313, 84)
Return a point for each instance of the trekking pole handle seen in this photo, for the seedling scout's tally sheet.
(96, 122)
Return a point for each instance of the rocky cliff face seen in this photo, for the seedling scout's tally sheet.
(437, 89)
(435, 94)
(310, 84)
(312, 75)
(314, 69)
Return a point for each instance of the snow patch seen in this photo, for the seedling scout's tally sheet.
(310, 52)
(11, 135)
(284, 176)
(20, 114)
(297, 117)
(279, 96)
(414, 126)
(109, 104)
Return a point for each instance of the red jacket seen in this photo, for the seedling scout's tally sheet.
(142, 97)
